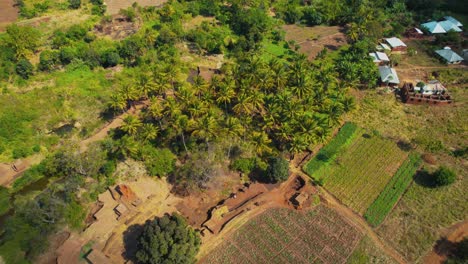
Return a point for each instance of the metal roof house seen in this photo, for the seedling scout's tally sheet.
(454, 21)
(379, 57)
(396, 44)
(449, 56)
(441, 27)
(388, 75)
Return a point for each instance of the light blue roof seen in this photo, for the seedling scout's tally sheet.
(388, 75)
(454, 21)
(441, 27)
(447, 25)
(434, 27)
(449, 55)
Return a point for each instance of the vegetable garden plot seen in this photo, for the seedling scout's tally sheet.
(286, 236)
(361, 169)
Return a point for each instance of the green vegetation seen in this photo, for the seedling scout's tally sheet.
(168, 239)
(4, 200)
(362, 169)
(367, 252)
(278, 170)
(387, 199)
(328, 153)
(444, 176)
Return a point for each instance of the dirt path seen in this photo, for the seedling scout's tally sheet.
(356, 219)
(444, 246)
(8, 175)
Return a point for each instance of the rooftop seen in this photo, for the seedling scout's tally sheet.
(441, 27)
(449, 55)
(388, 75)
(454, 21)
(379, 56)
(395, 42)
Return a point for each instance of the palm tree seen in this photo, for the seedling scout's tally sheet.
(297, 145)
(205, 128)
(127, 147)
(129, 93)
(244, 105)
(148, 132)
(225, 94)
(180, 126)
(145, 84)
(131, 125)
(117, 103)
(261, 142)
(233, 129)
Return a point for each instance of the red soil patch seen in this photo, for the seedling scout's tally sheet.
(446, 245)
(8, 13)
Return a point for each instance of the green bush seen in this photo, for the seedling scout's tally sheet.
(444, 176)
(74, 215)
(158, 162)
(109, 58)
(49, 60)
(168, 239)
(278, 170)
(21, 153)
(74, 4)
(24, 68)
(244, 165)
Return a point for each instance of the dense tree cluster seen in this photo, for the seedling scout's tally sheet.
(167, 239)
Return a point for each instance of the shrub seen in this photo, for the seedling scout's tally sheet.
(444, 176)
(158, 162)
(67, 54)
(21, 153)
(24, 68)
(278, 170)
(74, 4)
(48, 60)
(98, 10)
(4, 200)
(109, 59)
(244, 165)
(167, 239)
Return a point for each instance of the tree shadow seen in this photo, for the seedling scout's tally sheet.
(444, 247)
(404, 145)
(130, 239)
(425, 179)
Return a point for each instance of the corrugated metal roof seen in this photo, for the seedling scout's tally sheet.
(454, 21)
(449, 55)
(388, 75)
(434, 27)
(447, 25)
(395, 42)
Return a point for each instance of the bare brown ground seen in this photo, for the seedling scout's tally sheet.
(114, 6)
(8, 13)
(445, 245)
(312, 40)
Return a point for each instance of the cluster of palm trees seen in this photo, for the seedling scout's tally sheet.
(272, 105)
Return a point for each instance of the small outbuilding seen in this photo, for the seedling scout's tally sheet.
(379, 57)
(396, 44)
(388, 76)
(449, 56)
(414, 33)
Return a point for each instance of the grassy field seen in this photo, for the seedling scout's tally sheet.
(423, 212)
(285, 236)
(360, 171)
(367, 252)
(32, 114)
(384, 203)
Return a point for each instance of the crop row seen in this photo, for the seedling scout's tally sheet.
(328, 153)
(362, 171)
(384, 203)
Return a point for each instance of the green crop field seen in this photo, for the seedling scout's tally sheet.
(379, 209)
(358, 172)
(286, 236)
